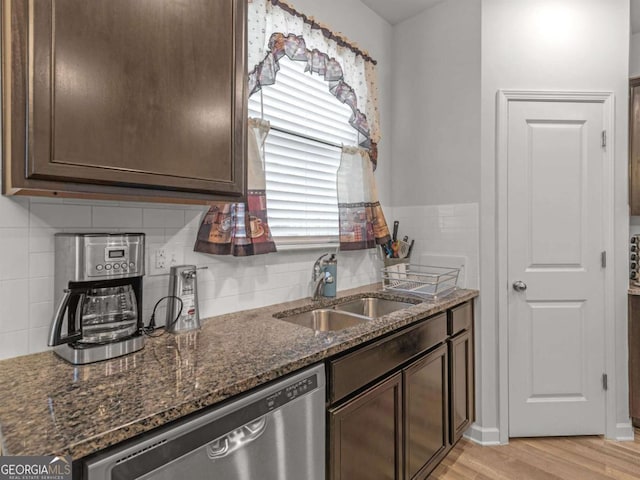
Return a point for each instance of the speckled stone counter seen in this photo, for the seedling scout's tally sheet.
(633, 289)
(49, 407)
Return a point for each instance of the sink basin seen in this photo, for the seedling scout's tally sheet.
(326, 320)
(345, 315)
(372, 307)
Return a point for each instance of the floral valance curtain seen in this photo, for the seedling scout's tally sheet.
(362, 223)
(276, 30)
(241, 229)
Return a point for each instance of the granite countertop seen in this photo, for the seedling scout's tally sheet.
(633, 289)
(48, 407)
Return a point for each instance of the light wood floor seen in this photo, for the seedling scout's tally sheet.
(565, 458)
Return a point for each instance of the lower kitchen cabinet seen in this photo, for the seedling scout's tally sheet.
(398, 405)
(462, 384)
(634, 359)
(426, 411)
(366, 434)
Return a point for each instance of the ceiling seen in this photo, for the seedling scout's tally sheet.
(396, 11)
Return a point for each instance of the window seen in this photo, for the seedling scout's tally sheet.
(302, 153)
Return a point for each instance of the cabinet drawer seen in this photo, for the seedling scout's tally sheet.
(460, 318)
(361, 367)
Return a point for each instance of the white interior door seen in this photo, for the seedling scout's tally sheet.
(555, 241)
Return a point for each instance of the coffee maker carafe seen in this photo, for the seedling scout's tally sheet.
(98, 293)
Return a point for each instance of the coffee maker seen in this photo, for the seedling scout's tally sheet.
(98, 293)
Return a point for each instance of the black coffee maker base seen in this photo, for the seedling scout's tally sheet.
(83, 356)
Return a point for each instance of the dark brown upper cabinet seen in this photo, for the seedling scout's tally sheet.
(139, 99)
(634, 146)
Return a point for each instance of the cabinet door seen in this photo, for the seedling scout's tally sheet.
(131, 93)
(634, 359)
(365, 434)
(634, 147)
(462, 384)
(426, 413)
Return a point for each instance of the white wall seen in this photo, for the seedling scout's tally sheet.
(27, 227)
(436, 133)
(551, 45)
(445, 235)
(436, 106)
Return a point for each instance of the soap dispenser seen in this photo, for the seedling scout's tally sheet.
(331, 266)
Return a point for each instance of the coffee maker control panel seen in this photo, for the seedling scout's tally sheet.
(114, 257)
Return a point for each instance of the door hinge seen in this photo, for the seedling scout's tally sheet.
(605, 382)
(604, 138)
(603, 259)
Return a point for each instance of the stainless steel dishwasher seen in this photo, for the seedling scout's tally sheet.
(274, 433)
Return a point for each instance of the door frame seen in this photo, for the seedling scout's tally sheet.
(503, 99)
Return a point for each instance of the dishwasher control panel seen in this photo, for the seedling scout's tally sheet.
(291, 392)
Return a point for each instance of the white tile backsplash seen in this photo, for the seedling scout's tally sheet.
(441, 231)
(162, 218)
(38, 337)
(41, 239)
(15, 213)
(60, 215)
(14, 344)
(40, 289)
(40, 314)
(14, 304)
(14, 253)
(28, 225)
(41, 264)
(117, 217)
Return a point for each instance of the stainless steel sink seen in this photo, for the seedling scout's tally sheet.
(345, 315)
(326, 320)
(372, 307)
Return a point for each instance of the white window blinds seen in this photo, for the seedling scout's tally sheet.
(302, 153)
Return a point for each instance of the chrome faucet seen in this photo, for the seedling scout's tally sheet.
(320, 278)
(317, 268)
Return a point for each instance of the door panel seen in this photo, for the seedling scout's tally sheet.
(558, 364)
(462, 384)
(555, 186)
(426, 411)
(146, 93)
(555, 238)
(366, 434)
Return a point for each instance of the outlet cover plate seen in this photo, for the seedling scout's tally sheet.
(162, 257)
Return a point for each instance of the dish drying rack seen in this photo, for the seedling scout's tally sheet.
(422, 280)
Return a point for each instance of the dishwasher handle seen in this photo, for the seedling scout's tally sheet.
(236, 439)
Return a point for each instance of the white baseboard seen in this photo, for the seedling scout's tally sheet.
(623, 432)
(483, 436)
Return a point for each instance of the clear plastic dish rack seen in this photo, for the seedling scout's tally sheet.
(421, 280)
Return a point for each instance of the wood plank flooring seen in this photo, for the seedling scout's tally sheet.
(557, 458)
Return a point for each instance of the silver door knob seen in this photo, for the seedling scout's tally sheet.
(519, 286)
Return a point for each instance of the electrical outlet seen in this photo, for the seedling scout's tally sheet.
(160, 259)
(163, 257)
